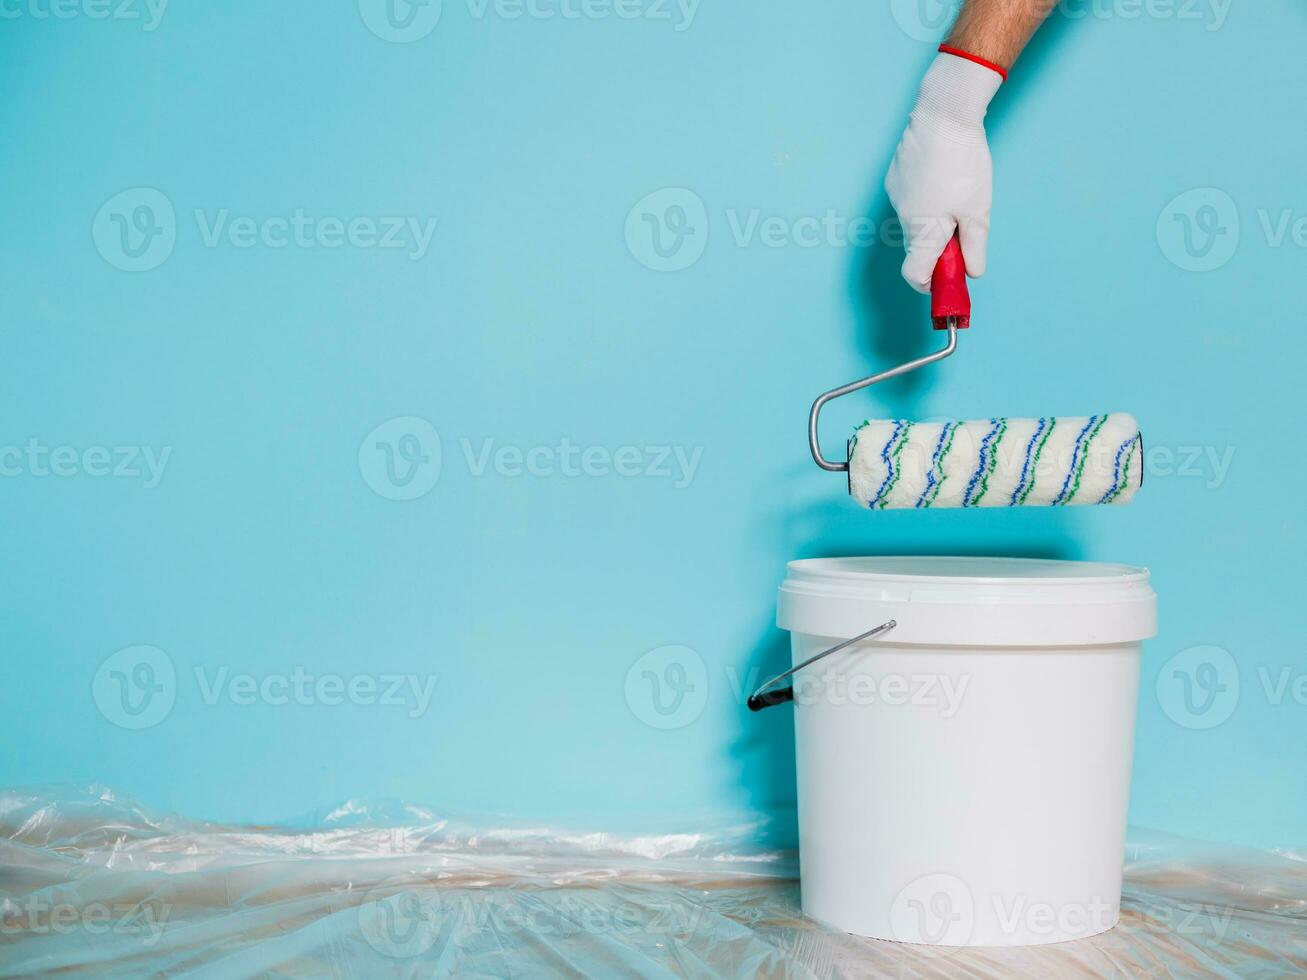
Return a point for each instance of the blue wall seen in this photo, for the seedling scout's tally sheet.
(542, 603)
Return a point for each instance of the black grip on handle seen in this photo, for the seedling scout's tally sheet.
(772, 698)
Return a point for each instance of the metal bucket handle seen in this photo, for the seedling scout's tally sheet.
(759, 700)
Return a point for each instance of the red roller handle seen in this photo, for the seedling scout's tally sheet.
(949, 298)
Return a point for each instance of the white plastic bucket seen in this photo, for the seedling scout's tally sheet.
(963, 778)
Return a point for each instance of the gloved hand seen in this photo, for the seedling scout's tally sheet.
(942, 176)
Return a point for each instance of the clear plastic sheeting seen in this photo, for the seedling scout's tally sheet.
(94, 883)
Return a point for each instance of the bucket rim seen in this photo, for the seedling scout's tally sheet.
(852, 569)
(1003, 602)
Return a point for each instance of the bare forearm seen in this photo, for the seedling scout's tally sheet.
(997, 30)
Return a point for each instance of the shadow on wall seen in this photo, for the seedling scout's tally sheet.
(893, 319)
(893, 328)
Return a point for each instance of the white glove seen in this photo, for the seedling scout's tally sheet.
(942, 176)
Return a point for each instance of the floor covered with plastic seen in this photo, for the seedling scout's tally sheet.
(93, 883)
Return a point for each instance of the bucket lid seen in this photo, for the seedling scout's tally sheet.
(969, 601)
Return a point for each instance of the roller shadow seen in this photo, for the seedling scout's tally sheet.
(893, 318)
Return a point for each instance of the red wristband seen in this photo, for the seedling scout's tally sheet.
(958, 52)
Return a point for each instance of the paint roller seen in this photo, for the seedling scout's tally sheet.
(998, 462)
